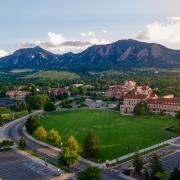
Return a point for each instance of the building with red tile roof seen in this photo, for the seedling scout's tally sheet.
(167, 106)
(118, 91)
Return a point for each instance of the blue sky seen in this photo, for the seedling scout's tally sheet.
(73, 25)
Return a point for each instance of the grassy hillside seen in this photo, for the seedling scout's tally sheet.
(60, 75)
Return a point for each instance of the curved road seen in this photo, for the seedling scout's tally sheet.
(14, 130)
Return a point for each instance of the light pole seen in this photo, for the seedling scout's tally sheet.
(127, 150)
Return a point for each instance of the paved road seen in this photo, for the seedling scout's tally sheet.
(17, 167)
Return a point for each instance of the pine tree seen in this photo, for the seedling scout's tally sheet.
(91, 145)
(156, 167)
(137, 163)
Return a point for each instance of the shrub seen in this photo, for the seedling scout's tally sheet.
(91, 173)
(22, 143)
(6, 143)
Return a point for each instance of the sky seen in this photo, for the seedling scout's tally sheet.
(73, 25)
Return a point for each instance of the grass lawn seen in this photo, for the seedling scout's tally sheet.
(60, 75)
(114, 131)
(4, 110)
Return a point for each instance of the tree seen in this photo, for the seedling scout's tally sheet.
(146, 174)
(40, 133)
(141, 109)
(91, 173)
(48, 107)
(162, 175)
(91, 145)
(32, 124)
(54, 137)
(23, 106)
(83, 90)
(175, 174)
(137, 163)
(155, 167)
(73, 144)
(178, 114)
(66, 103)
(37, 102)
(74, 90)
(1, 120)
(68, 157)
(22, 143)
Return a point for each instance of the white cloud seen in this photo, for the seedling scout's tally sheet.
(3, 53)
(57, 43)
(104, 31)
(90, 33)
(56, 38)
(83, 34)
(167, 33)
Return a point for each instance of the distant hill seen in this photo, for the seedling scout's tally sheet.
(122, 54)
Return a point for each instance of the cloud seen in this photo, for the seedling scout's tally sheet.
(56, 38)
(57, 43)
(104, 31)
(3, 53)
(88, 34)
(167, 33)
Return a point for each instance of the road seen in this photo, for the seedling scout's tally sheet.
(14, 131)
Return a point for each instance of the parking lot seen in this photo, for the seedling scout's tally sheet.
(171, 161)
(17, 167)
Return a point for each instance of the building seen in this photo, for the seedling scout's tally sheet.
(17, 94)
(78, 85)
(118, 91)
(164, 105)
(57, 91)
(131, 100)
(143, 90)
(167, 105)
(130, 85)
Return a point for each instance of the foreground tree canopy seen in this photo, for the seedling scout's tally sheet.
(91, 145)
(32, 123)
(91, 173)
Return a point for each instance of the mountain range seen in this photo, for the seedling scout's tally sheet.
(122, 54)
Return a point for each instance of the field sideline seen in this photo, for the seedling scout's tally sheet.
(118, 134)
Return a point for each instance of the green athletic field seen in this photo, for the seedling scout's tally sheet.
(60, 75)
(118, 134)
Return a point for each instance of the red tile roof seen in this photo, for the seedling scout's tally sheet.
(165, 101)
(58, 90)
(145, 87)
(136, 96)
